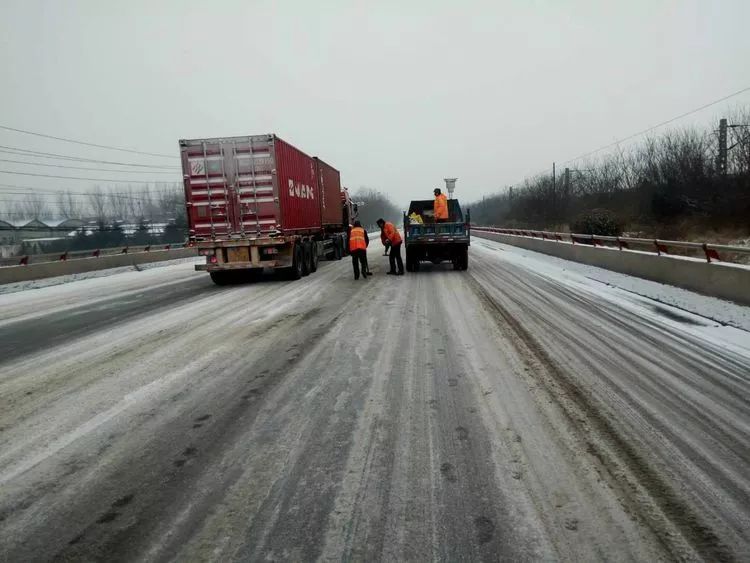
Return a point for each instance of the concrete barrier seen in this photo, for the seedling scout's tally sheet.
(14, 274)
(727, 281)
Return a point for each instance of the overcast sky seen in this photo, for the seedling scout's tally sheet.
(396, 94)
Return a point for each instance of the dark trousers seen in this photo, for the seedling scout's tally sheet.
(359, 257)
(395, 258)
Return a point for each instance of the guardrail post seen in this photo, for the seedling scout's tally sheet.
(24, 261)
(147, 249)
(660, 248)
(167, 247)
(558, 237)
(622, 244)
(64, 257)
(124, 250)
(96, 253)
(710, 253)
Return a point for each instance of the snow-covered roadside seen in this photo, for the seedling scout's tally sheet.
(627, 290)
(47, 282)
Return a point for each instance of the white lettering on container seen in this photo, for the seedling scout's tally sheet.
(298, 189)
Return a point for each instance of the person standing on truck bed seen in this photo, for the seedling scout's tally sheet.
(389, 233)
(358, 243)
(440, 207)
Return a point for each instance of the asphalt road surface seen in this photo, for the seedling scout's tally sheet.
(499, 413)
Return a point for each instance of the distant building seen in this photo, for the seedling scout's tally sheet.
(12, 232)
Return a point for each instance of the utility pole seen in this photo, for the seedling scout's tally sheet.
(554, 192)
(721, 159)
(566, 183)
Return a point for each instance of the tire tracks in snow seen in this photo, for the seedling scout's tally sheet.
(627, 471)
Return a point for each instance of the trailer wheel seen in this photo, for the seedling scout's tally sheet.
(295, 272)
(220, 278)
(306, 258)
(252, 275)
(313, 256)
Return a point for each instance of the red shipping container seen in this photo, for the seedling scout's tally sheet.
(329, 184)
(239, 187)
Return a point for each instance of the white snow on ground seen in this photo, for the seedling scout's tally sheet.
(710, 317)
(58, 280)
(57, 294)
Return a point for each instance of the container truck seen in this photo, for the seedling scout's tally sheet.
(257, 202)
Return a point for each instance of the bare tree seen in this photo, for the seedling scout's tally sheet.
(98, 202)
(67, 205)
(35, 206)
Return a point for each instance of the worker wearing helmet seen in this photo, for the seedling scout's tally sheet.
(358, 243)
(389, 235)
(440, 206)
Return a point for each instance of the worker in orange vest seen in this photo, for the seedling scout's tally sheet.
(440, 206)
(358, 243)
(389, 235)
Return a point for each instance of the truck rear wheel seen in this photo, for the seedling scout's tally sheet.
(306, 251)
(412, 261)
(295, 272)
(338, 249)
(463, 260)
(313, 256)
(220, 278)
(252, 274)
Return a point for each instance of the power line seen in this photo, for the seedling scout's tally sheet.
(39, 189)
(647, 130)
(662, 124)
(132, 151)
(115, 180)
(57, 156)
(86, 168)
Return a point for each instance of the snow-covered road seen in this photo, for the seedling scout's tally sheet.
(530, 408)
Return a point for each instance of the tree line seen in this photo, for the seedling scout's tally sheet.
(660, 185)
(156, 202)
(374, 204)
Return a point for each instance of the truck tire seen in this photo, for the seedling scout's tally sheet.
(409, 261)
(306, 258)
(464, 259)
(252, 275)
(220, 278)
(313, 257)
(295, 272)
(338, 249)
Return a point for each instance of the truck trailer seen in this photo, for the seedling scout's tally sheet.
(257, 202)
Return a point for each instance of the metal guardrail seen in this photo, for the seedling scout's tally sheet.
(80, 254)
(659, 246)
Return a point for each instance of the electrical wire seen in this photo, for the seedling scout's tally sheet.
(658, 125)
(86, 168)
(115, 180)
(57, 156)
(110, 147)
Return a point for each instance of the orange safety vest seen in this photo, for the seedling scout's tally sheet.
(357, 239)
(391, 233)
(441, 207)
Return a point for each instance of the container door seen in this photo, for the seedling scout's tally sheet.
(206, 190)
(257, 205)
(229, 186)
